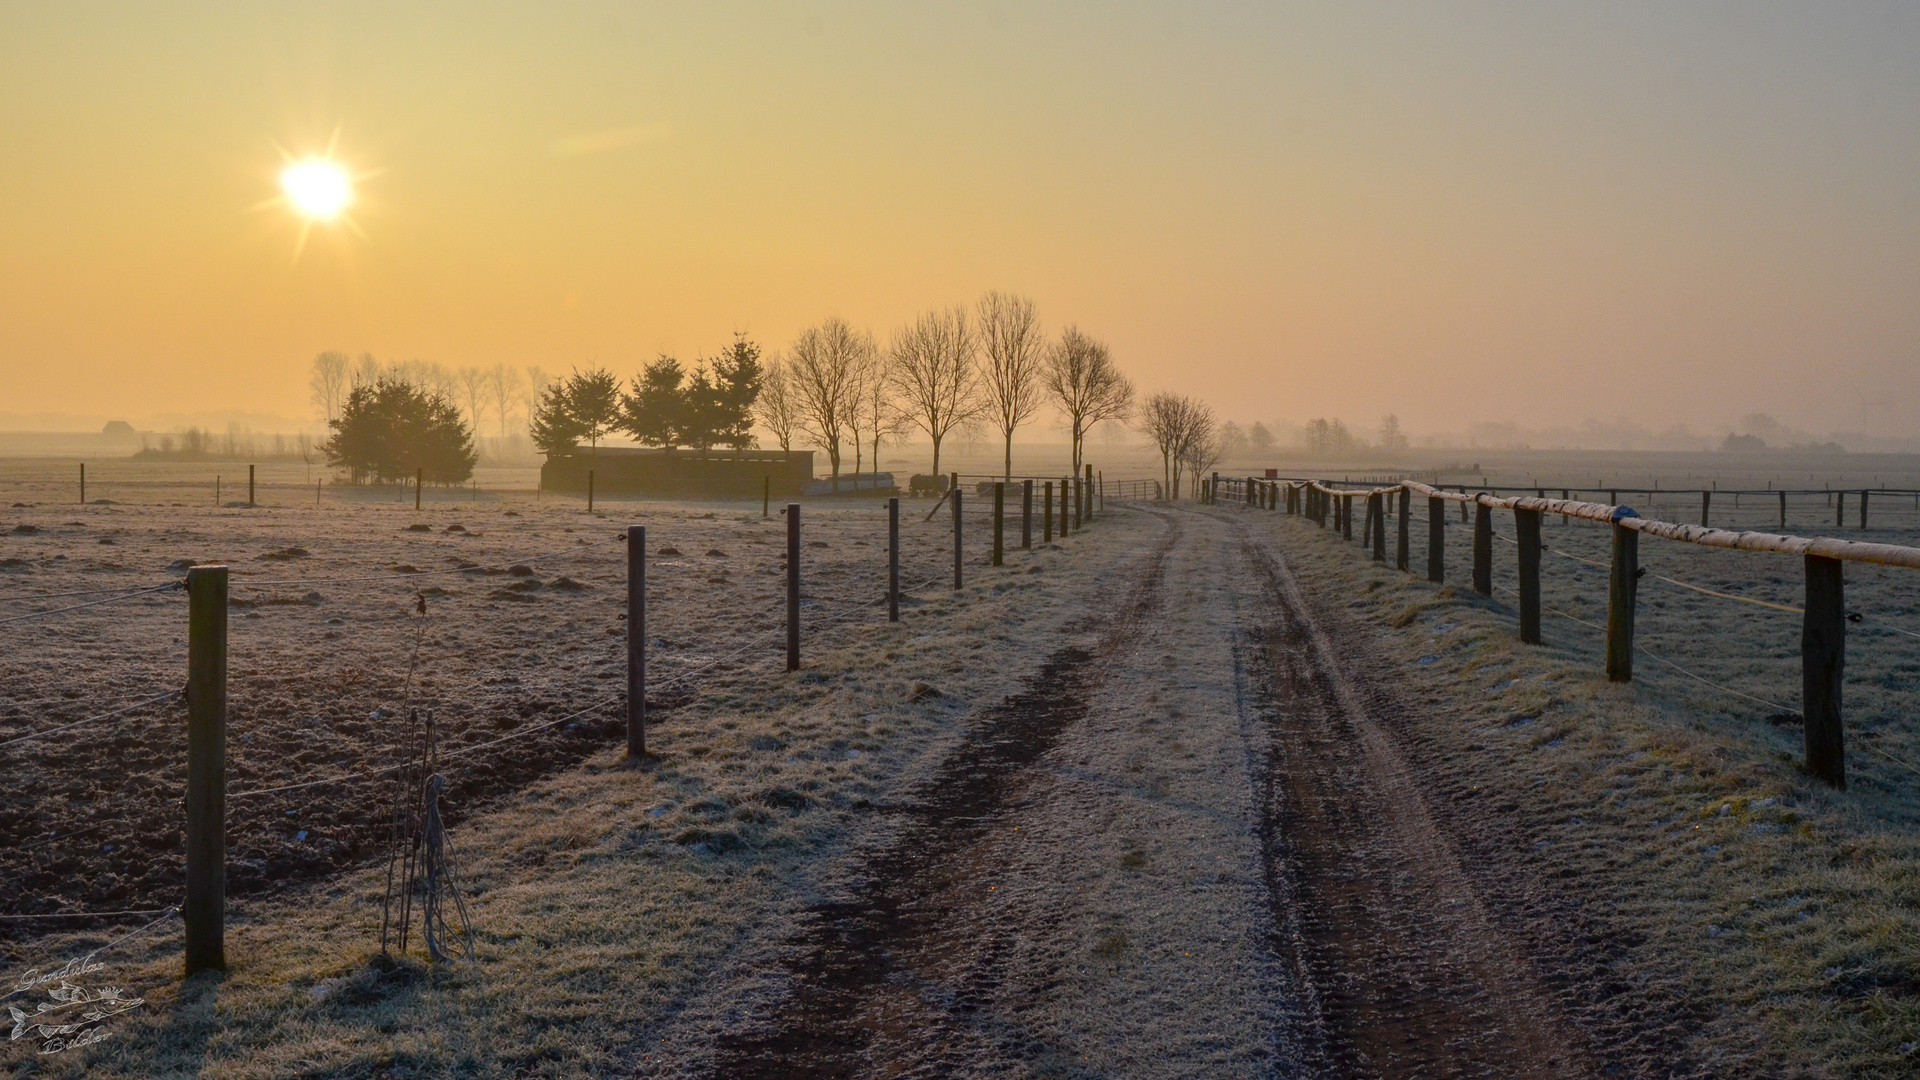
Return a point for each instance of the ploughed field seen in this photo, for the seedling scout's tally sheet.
(494, 618)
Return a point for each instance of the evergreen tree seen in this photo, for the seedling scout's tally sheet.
(389, 429)
(655, 413)
(737, 378)
(552, 426)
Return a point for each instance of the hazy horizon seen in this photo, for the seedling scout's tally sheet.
(1548, 216)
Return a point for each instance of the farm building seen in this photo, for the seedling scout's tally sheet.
(621, 470)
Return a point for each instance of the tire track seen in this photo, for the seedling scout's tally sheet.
(1403, 969)
(876, 973)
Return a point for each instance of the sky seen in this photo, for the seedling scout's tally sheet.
(1456, 213)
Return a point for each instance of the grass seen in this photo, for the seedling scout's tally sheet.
(1787, 914)
(604, 896)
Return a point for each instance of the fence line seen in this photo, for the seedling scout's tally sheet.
(203, 912)
(1824, 617)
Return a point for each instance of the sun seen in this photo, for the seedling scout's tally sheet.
(316, 188)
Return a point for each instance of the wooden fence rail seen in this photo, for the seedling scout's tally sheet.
(1824, 617)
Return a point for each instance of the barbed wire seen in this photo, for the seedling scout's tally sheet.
(168, 696)
(168, 587)
(404, 576)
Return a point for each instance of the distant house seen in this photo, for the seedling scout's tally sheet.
(626, 470)
(119, 429)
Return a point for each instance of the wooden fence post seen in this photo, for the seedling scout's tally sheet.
(766, 497)
(1863, 507)
(1526, 528)
(1823, 655)
(956, 539)
(589, 490)
(636, 641)
(204, 910)
(793, 586)
(1482, 548)
(1046, 513)
(1376, 508)
(249, 485)
(1346, 518)
(1623, 589)
(1086, 494)
(1783, 509)
(1400, 551)
(1366, 522)
(1026, 514)
(1066, 515)
(1463, 506)
(83, 483)
(999, 522)
(1840, 515)
(1436, 540)
(893, 559)
(1706, 505)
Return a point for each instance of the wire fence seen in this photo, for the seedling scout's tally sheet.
(270, 768)
(1728, 628)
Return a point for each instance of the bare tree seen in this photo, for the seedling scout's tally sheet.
(1085, 386)
(503, 388)
(867, 415)
(329, 383)
(532, 391)
(1012, 356)
(823, 374)
(881, 415)
(1203, 445)
(368, 371)
(1391, 437)
(472, 383)
(776, 408)
(934, 375)
(1178, 425)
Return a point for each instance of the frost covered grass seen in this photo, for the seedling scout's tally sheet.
(603, 891)
(1770, 925)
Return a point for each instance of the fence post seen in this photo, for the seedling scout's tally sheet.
(589, 490)
(1706, 504)
(1863, 508)
(999, 522)
(1840, 514)
(1100, 488)
(893, 559)
(204, 910)
(1482, 548)
(1066, 517)
(636, 641)
(1026, 514)
(249, 485)
(1086, 495)
(956, 539)
(1346, 517)
(1623, 589)
(1366, 523)
(1783, 509)
(1436, 540)
(766, 497)
(1400, 550)
(1046, 513)
(1823, 655)
(1378, 503)
(1526, 528)
(793, 586)
(83, 483)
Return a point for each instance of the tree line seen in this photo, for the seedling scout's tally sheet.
(951, 369)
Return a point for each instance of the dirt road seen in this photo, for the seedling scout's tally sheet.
(1185, 849)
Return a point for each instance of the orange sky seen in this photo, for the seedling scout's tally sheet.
(1452, 212)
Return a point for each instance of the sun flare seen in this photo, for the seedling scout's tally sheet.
(317, 188)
